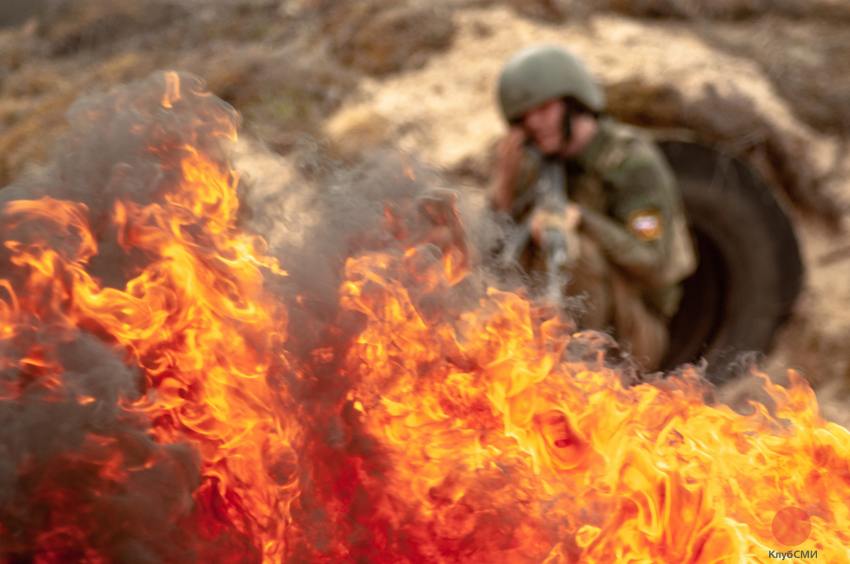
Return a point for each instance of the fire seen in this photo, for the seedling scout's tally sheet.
(423, 426)
(484, 426)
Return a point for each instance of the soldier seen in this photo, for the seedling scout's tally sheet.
(632, 248)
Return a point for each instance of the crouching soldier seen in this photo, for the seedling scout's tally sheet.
(630, 245)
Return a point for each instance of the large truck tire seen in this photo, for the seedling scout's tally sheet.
(750, 271)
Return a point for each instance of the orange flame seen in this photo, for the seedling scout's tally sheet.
(172, 90)
(598, 473)
(478, 438)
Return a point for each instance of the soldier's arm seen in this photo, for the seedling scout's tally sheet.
(509, 191)
(500, 193)
(636, 237)
(511, 169)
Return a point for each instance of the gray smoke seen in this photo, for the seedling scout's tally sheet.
(81, 475)
(71, 456)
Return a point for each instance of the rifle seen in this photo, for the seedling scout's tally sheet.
(551, 197)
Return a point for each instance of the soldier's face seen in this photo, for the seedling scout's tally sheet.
(544, 125)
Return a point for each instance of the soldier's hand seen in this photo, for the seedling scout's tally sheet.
(572, 217)
(567, 222)
(509, 150)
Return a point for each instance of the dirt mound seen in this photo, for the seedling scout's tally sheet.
(731, 9)
(255, 56)
(14, 12)
(69, 27)
(807, 61)
(379, 40)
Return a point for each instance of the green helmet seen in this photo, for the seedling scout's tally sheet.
(537, 74)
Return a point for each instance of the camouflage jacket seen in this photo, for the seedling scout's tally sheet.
(631, 207)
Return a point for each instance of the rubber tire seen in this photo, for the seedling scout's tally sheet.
(750, 271)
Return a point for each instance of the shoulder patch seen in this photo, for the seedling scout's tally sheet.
(646, 224)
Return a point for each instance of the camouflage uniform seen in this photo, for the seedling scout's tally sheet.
(634, 244)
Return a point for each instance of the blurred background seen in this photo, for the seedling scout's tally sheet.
(767, 81)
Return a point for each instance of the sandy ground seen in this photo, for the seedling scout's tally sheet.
(446, 113)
